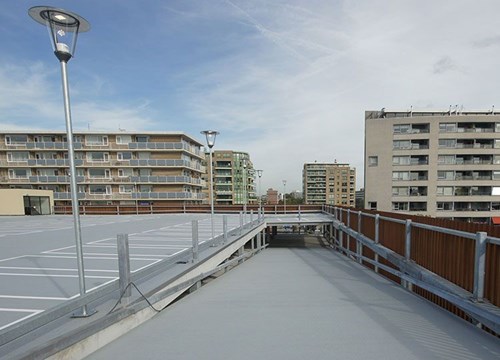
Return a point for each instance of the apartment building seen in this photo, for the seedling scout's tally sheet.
(272, 197)
(233, 176)
(112, 168)
(329, 183)
(440, 164)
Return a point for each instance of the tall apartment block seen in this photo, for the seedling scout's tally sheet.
(234, 178)
(440, 164)
(329, 183)
(112, 168)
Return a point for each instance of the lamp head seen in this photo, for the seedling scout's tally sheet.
(210, 136)
(63, 27)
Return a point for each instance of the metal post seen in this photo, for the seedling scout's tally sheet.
(299, 212)
(241, 222)
(479, 266)
(405, 283)
(224, 229)
(124, 268)
(359, 246)
(194, 226)
(377, 239)
(348, 226)
(74, 189)
(211, 192)
(251, 217)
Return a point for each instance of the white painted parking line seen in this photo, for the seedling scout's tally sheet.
(32, 297)
(89, 257)
(59, 275)
(52, 269)
(33, 313)
(145, 266)
(107, 254)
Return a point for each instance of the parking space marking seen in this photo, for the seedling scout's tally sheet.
(52, 269)
(58, 275)
(33, 313)
(20, 297)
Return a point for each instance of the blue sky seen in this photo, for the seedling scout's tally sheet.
(288, 81)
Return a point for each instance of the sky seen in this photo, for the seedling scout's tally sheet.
(287, 81)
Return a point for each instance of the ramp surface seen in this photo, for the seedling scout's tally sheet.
(302, 303)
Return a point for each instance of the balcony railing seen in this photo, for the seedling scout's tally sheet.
(166, 179)
(53, 162)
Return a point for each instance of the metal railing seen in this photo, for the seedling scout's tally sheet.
(450, 263)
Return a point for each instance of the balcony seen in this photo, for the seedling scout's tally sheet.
(165, 179)
(53, 162)
(52, 145)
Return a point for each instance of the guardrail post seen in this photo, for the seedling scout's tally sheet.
(251, 216)
(124, 268)
(479, 266)
(241, 222)
(377, 238)
(299, 212)
(348, 226)
(194, 226)
(275, 209)
(224, 229)
(341, 239)
(407, 254)
(359, 246)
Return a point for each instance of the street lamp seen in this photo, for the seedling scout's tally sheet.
(259, 174)
(64, 27)
(210, 135)
(245, 187)
(284, 196)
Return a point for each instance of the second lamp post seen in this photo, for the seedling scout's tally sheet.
(210, 135)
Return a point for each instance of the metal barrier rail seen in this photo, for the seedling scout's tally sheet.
(105, 292)
(410, 273)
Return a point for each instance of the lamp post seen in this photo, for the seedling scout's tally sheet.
(61, 24)
(259, 174)
(210, 135)
(284, 196)
(244, 187)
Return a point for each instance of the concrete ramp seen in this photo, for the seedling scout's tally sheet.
(302, 303)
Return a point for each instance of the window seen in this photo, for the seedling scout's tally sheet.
(495, 190)
(124, 156)
(19, 173)
(144, 172)
(399, 206)
(100, 189)
(145, 188)
(372, 205)
(97, 156)
(401, 128)
(141, 138)
(126, 189)
(45, 138)
(444, 191)
(444, 206)
(446, 159)
(400, 175)
(125, 172)
(446, 175)
(401, 144)
(447, 143)
(496, 175)
(447, 127)
(123, 139)
(47, 172)
(400, 160)
(144, 155)
(99, 173)
(18, 156)
(16, 139)
(400, 191)
(96, 140)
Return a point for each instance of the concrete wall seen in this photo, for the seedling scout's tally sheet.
(12, 200)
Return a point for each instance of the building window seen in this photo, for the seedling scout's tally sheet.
(446, 159)
(19, 173)
(400, 175)
(400, 191)
(126, 189)
(123, 139)
(399, 206)
(446, 175)
(401, 128)
(96, 140)
(444, 206)
(16, 139)
(444, 191)
(372, 205)
(401, 144)
(447, 127)
(125, 172)
(100, 189)
(18, 157)
(98, 156)
(124, 156)
(99, 173)
(447, 143)
(400, 160)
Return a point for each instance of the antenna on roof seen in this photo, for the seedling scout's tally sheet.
(492, 109)
(120, 129)
(411, 111)
(449, 110)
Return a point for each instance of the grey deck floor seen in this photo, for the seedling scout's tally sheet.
(302, 303)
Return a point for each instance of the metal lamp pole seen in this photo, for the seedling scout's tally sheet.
(259, 174)
(210, 137)
(284, 196)
(245, 187)
(61, 24)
